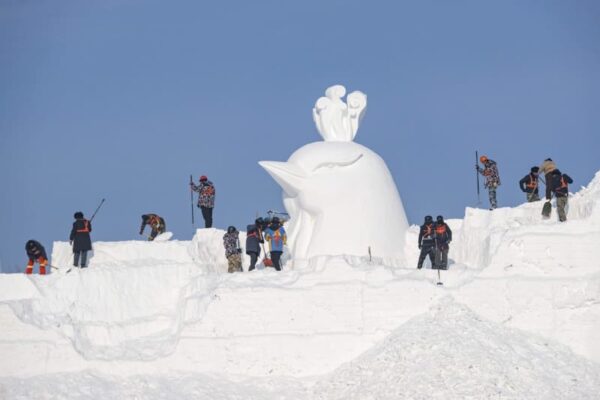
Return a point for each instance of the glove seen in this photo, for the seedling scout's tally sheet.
(239, 251)
(141, 232)
(477, 167)
(420, 246)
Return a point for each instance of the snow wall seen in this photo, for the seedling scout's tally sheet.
(150, 307)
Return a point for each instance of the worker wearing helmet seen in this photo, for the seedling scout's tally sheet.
(492, 178)
(206, 199)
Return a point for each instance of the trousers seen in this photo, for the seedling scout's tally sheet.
(532, 196)
(253, 258)
(42, 261)
(76, 256)
(276, 258)
(427, 249)
(207, 214)
(561, 205)
(441, 256)
(492, 195)
(234, 263)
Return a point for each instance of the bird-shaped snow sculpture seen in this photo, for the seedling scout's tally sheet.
(340, 195)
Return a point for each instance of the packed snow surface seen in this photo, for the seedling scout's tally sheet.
(517, 317)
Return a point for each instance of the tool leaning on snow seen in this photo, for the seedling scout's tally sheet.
(261, 226)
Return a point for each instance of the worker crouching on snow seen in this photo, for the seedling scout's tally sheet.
(36, 252)
(157, 224)
(233, 252)
(559, 185)
(80, 239)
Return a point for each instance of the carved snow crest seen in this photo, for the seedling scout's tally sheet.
(337, 121)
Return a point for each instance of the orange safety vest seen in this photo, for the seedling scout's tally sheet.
(532, 183)
(154, 220)
(440, 229)
(86, 227)
(563, 183)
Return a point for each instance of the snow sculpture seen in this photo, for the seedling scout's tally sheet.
(340, 195)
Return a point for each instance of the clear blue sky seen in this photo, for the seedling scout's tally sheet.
(124, 99)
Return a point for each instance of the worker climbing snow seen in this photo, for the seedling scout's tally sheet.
(559, 185)
(547, 167)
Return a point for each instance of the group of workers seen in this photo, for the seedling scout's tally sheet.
(557, 185)
(434, 237)
(79, 239)
(270, 229)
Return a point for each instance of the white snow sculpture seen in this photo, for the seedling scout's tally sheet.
(340, 195)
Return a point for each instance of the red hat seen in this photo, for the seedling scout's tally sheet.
(203, 178)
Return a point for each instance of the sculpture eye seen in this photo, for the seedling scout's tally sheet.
(336, 164)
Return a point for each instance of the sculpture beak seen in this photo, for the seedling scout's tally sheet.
(289, 177)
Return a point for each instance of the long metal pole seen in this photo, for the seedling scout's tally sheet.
(98, 208)
(192, 197)
(477, 174)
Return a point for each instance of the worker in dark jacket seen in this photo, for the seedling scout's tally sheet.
(426, 242)
(36, 252)
(529, 185)
(206, 199)
(80, 239)
(156, 222)
(253, 241)
(443, 237)
(559, 185)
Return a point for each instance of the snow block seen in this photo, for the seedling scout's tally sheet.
(14, 287)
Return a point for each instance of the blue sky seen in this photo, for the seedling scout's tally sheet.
(124, 99)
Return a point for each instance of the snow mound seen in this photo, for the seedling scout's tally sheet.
(129, 313)
(92, 385)
(518, 236)
(451, 353)
(523, 287)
